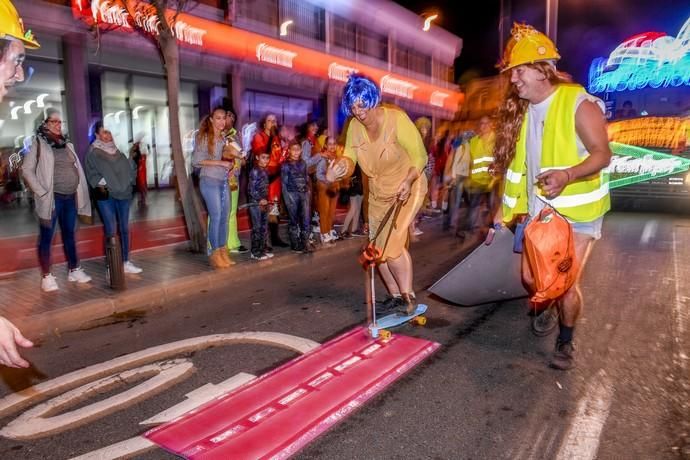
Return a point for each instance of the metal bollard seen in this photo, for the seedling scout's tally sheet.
(113, 260)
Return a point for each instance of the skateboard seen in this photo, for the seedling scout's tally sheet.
(379, 328)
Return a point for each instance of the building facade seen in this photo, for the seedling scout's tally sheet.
(97, 61)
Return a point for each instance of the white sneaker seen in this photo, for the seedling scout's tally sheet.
(131, 268)
(270, 255)
(417, 232)
(263, 256)
(49, 283)
(334, 235)
(78, 275)
(326, 238)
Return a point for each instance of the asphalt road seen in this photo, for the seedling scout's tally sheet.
(487, 394)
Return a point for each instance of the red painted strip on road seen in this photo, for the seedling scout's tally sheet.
(282, 411)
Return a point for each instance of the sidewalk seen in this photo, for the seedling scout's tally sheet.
(170, 274)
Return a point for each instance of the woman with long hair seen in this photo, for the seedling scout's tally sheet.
(213, 183)
(390, 151)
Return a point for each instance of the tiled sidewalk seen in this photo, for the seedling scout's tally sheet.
(169, 272)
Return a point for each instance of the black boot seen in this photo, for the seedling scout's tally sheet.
(275, 237)
(305, 243)
(295, 242)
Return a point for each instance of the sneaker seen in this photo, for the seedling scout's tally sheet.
(239, 250)
(334, 235)
(263, 256)
(270, 255)
(359, 233)
(326, 238)
(78, 275)
(417, 232)
(49, 283)
(346, 235)
(131, 268)
(389, 304)
(563, 358)
(407, 305)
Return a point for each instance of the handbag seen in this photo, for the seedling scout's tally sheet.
(550, 249)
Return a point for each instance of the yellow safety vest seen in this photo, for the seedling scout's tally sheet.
(583, 200)
(481, 157)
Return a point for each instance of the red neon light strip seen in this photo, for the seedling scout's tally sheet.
(225, 40)
(279, 413)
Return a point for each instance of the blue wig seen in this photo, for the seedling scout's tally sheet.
(362, 89)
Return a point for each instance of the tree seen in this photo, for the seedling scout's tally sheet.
(158, 20)
(170, 55)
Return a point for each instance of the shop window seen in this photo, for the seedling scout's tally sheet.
(372, 44)
(308, 20)
(264, 11)
(21, 111)
(135, 109)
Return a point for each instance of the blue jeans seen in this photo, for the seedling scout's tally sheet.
(66, 213)
(115, 214)
(297, 205)
(259, 218)
(217, 200)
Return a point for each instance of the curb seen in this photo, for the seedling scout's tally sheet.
(160, 296)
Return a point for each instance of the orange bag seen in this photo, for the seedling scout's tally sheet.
(550, 250)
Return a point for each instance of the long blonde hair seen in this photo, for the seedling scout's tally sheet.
(205, 133)
(512, 112)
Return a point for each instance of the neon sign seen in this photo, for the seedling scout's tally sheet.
(340, 72)
(273, 55)
(116, 13)
(663, 132)
(397, 87)
(651, 59)
(437, 98)
(631, 165)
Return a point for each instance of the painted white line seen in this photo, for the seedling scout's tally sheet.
(680, 312)
(582, 439)
(649, 231)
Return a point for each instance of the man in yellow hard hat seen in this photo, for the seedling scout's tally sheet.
(552, 148)
(13, 40)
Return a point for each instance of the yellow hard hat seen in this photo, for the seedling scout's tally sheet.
(11, 25)
(526, 46)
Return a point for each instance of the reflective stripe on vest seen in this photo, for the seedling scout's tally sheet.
(481, 152)
(583, 200)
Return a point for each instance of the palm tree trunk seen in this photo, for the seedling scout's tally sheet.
(191, 205)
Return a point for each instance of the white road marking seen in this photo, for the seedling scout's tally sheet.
(582, 439)
(37, 422)
(649, 231)
(199, 397)
(680, 312)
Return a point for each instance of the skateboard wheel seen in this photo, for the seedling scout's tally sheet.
(421, 320)
(385, 335)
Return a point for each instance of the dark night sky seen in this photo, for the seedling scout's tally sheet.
(586, 28)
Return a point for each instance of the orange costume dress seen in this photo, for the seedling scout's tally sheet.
(386, 162)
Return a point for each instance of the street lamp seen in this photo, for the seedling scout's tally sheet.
(284, 26)
(427, 22)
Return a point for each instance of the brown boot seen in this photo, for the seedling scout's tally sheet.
(226, 257)
(216, 260)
